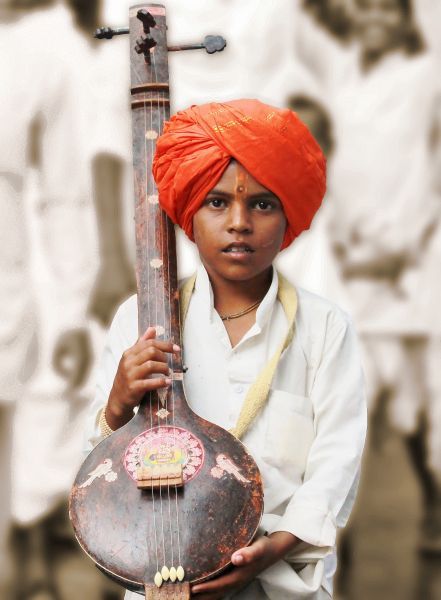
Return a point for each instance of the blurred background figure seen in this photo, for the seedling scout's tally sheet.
(363, 75)
(382, 89)
(311, 262)
(428, 15)
(334, 16)
(37, 104)
(48, 264)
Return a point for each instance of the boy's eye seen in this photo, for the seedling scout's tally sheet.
(263, 205)
(215, 202)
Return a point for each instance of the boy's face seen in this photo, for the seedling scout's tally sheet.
(379, 24)
(240, 227)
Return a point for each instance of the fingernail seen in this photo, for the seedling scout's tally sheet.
(176, 348)
(237, 558)
(168, 381)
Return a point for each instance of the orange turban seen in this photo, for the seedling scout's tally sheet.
(272, 144)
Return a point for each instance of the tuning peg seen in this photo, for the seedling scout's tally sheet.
(147, 19)
(107, 33)
(143, 45)
(214, 43)
(211, 43)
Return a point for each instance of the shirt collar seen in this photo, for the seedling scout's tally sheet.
(203, 294)
(205, 299)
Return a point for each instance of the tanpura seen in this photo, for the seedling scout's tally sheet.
(164, 501)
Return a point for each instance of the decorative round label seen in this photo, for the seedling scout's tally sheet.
(165, 445)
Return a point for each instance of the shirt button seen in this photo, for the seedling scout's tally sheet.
(238, 389)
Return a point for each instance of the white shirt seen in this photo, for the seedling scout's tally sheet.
(309, 437)
(380, 176)
(41, 84)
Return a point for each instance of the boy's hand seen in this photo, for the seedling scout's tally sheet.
(248, 563)
(134, 376)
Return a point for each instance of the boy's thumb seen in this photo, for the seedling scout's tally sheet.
(246, 556)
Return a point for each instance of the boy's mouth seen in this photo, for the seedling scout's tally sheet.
(238, 248)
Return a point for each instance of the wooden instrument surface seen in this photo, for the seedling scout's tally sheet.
(133, 533)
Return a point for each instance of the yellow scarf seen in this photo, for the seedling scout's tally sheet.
(258, 393)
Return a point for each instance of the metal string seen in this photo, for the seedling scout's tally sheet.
(164, 225)
(161, 103)
(148, 291)
(162, 106)
(174, 428)
(161, 245)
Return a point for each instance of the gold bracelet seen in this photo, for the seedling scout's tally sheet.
(105, 429)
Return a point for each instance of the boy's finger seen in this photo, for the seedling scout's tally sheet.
(164, 345)
(246, 556)
(149, 385)
(149, 334)
(151, 353)
(218, 585)
(152, 367)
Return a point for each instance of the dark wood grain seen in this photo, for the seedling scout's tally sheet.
(158, 301)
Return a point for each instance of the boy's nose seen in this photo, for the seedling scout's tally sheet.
(239, 218)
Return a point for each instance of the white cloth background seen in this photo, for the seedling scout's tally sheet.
(47, 230)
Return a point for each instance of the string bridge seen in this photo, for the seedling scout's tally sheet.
(160, 476)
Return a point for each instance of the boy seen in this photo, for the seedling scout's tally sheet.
(243, 179)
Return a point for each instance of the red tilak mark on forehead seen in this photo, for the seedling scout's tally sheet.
(241, 183)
